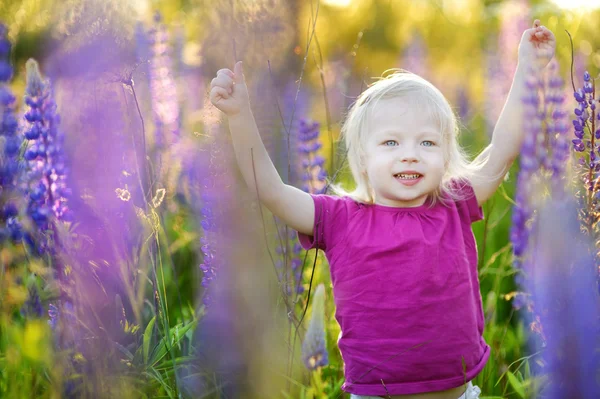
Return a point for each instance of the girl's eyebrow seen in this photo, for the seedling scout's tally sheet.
(397, 132)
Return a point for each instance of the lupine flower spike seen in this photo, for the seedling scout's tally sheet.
(10, 144)
(313, 181)
(212, 217)
(544, 155)
(314, 176)
(314, 347)
(587, 145)
(162, 85)
(46, 186)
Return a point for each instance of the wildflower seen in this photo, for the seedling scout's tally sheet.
(314, 178)
(563, 290)
(163, 89)
(586, 144)
(45, 181)
(415, 56)
(464, 106)
(314, 346)
(53, 313)
(6, 70)
(32, 308)
(295, 104)
(47, 168)
(212, 216)
(543, 159)
(514, 18)
(314, 182)
(61, 311)
(10, 226)
(292, 281)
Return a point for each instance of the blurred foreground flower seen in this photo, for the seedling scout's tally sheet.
(314, 346)
(501, 60)
(563, 289)
(163, 89)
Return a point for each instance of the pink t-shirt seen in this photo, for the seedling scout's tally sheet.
(406, 291)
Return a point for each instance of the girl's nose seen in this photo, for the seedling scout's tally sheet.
(409, 156)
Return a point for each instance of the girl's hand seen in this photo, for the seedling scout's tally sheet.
(228, 91)
(537, 46)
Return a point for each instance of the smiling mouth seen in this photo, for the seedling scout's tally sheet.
(409, 176)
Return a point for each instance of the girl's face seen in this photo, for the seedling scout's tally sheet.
(404, 159)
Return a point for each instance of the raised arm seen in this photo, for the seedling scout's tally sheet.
(229, 93)
(535, 52)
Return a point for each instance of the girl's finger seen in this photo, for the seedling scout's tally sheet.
(217, 93)
(223, 80)
(225, 71)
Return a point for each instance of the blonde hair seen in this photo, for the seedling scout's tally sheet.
(404, 84)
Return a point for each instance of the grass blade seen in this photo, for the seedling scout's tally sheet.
(147, 338)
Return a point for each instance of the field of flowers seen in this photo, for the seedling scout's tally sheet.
(135, 263)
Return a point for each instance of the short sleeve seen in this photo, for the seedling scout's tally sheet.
(467, 204)
(331, 219)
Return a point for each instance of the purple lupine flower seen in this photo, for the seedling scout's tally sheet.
(464, 106)
(544, 154)
(53, 313)
(414, 57)
(142, 44)
(47, 168)
(529, 163)
(563, 290)
(314, 346)
(295, 105)
(6, 70)
(10, 164)
(210, 186)
(32, 308)
(292, 281)
(501, 59)
(586, 144)
(163, 89)
(557, 128)
(313, 180)
(314, 176)
(61, 312)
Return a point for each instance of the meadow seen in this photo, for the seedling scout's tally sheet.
(135, 262)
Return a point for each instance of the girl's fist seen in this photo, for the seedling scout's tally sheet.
(228, 91)
(537, 45)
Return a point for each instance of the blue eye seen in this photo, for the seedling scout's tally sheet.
(387, 143)
(428, 143)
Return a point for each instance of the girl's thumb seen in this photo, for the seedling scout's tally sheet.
(238, 72)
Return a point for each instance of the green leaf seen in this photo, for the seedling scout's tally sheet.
(155, 375)
(177, 333)
(516, 384)
(147, 338)
(178, 361)
(527, 370)
(124, 350)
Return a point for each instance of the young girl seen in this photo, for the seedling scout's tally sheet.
(401, 251)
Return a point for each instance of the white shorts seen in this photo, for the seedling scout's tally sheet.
(472, 392)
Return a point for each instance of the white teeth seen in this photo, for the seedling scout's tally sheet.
(404, 176)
